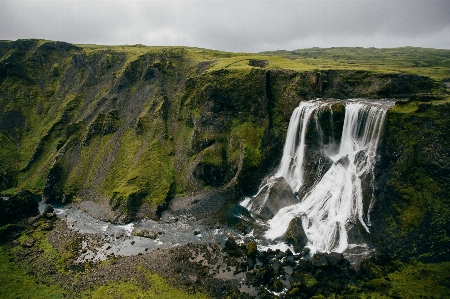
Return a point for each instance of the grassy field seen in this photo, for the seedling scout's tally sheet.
(433, 63)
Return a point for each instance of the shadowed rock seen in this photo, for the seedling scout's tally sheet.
(295, 235)
(273, 198)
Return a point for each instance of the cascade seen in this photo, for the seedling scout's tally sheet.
(334, 204)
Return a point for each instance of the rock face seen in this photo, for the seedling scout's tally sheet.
(410, 218)
(19, 206)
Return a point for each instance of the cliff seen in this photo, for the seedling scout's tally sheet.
(128, 129)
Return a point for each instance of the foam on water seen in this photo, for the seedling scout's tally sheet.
(335, 203)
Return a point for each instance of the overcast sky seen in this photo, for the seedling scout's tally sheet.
(245, 25)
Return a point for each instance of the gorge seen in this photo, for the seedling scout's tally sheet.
(178, 140)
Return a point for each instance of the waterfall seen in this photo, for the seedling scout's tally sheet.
(291, 166)
(334, 204)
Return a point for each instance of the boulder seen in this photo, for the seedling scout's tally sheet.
(295, 235)
(335, 258)
(275, 197)
(231, 244)
(320, 260)
(305, 283)
(145, 233)
(19, 206)
(29, 243)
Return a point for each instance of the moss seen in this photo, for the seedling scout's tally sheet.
(414, 280)
(252, 249)
(9, 161)
(245, 139)
(416, 142)
(213, 155)
(16, 283)
(156, 287)
(148, 176)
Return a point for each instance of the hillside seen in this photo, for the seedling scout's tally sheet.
(135, 126)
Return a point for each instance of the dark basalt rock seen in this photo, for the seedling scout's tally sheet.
(295, 235)
(16, 207)
(274, 198)
(320, 260)
(305, 283)
(230, 244)
(335, 258)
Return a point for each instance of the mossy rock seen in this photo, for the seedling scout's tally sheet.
(295, 234)
(16, 207)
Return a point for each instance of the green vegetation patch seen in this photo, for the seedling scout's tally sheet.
(417, 139)
(16, 283)
(156, 287)
(8, 162)
(245, 139)
(141, 170)
(410, 281)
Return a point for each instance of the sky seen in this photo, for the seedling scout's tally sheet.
(231, 25)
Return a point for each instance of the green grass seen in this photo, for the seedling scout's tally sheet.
(15, 283)
(149, 174)
(434, 63)
(411, 281)
(156, 287)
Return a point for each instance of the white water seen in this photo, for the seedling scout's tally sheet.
(335, 203)
(291, 166)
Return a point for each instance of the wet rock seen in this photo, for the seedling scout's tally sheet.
(305, 251)
(295, 235)
(276, 266)
(344, 161)
(231, 244)
(278, 285)
(319, 260)
(240, 218)
(48, 209)
(145, 233)
(305, 283)
(50, 215)
(274, 198)
(251, 261)
(335, 258)
(303, 265)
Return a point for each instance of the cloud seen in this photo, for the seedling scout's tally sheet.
(249, 26)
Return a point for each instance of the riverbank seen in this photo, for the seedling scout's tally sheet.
(44, 258)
